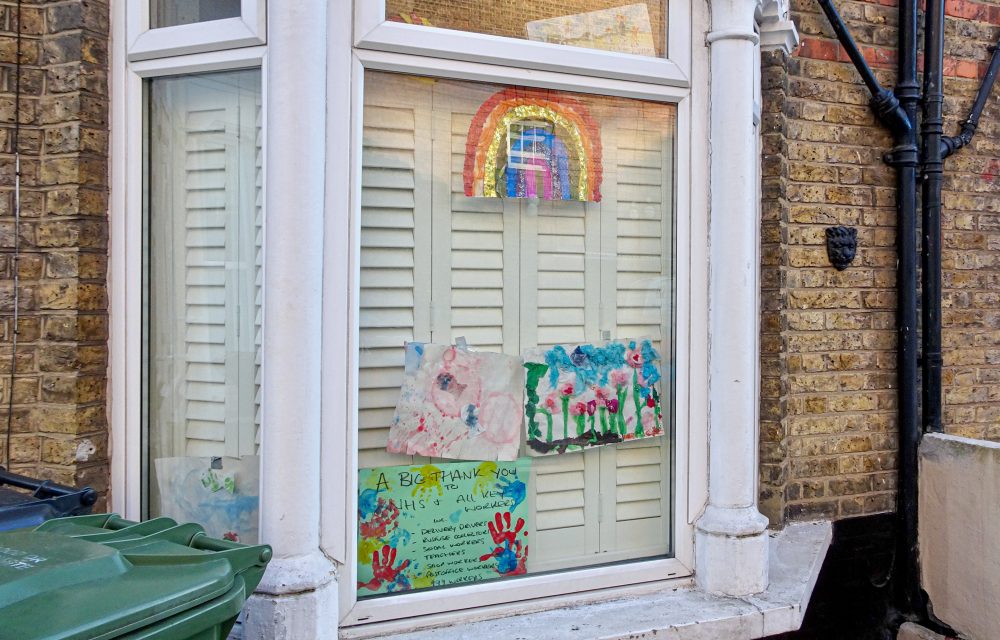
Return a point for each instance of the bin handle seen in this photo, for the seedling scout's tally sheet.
(40, 487)
(204, 542)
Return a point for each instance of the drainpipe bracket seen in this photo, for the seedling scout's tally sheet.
(903, 155)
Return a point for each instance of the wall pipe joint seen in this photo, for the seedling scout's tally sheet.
(951, 144)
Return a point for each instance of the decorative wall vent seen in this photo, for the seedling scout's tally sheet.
(841, 246)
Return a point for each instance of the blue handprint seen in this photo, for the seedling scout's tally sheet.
(512, 489)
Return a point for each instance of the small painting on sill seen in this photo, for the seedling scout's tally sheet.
(221, 494)
(586, 395)
(457, 403)
(433, 525)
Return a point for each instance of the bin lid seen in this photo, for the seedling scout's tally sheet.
(60, 587)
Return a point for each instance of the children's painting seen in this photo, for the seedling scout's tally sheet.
(536, 144)
(580, 396)
(221, 494)
(458, 404)
(435, 525)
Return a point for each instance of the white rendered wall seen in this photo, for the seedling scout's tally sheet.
(731, 547)
(297, 597)
(959, 506)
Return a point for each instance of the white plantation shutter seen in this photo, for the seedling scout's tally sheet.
(258, 263)
(560, 252)
(205, 343)
(204, 249)
(635, 476)
(635, 479)
(508, 274)
(561, 278)
(475, 259)
(395, 260)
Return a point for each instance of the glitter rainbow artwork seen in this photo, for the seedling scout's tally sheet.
(529, 143)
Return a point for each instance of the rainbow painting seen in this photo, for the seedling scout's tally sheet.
(531, 143)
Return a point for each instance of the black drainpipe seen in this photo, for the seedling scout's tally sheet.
(933, 168)
(904, 157)
(898, 115)
(951, 144)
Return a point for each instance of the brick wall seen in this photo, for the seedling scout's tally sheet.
(971, 234)
(60, 378)
(828, 437)
(828, 412)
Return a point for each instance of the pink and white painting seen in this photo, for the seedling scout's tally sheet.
(458, 404)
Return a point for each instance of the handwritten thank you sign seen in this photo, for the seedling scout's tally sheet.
(439, 524)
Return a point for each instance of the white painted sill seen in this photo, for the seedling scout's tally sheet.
(683, 613)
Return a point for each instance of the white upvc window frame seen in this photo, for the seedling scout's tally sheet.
(373, 31)
(246, 30)
(386, 46)
(127, 244)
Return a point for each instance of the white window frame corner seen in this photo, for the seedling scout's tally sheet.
(246, 30)
(373, 31)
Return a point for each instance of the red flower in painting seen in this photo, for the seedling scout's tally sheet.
(551, 403)
(578, 409)
(566, 389)
(650, 402)
(634, 358)
(612, 405)
(591, 407)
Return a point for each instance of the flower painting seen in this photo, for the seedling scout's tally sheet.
(458, 404)
(580, 396)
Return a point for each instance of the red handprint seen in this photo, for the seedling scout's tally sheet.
(383, 520)
(501, 531)
(382, 570)
(511, 558)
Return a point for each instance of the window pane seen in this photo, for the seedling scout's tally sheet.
(611, 25)
(514, 218)
(203, 296)
(169, 13)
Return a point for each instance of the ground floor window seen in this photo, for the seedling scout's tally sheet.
(202, 300)
(515, 407)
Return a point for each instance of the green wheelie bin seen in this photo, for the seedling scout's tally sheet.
(100, 577)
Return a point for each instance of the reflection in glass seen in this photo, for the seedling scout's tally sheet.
(624, 26)
(203, 301)
(514, 218)
(170, 13)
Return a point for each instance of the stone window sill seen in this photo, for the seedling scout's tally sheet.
(684, 613)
